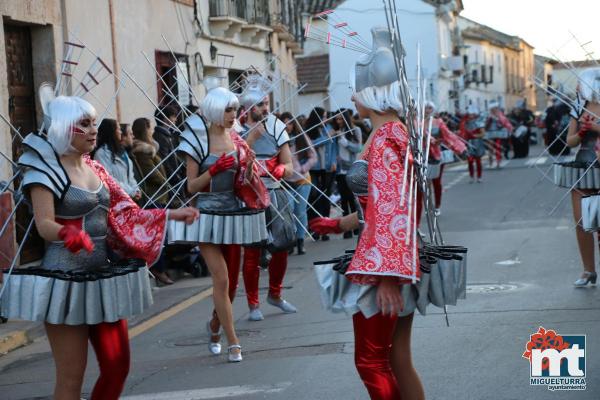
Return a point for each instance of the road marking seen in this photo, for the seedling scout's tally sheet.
(536, 161)
(509, 262)
(460, 167)
(455, 181)
(212, 393)
(158, 318)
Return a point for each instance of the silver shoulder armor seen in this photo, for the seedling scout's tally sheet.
(42, 166)
(194, 138)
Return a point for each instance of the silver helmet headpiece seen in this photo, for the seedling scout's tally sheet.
(257, 88)
(377, 68)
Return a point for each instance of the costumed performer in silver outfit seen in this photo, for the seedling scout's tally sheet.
(268, 138)
(79, 292)
(222, 176)
(381, 283)
(582, 175)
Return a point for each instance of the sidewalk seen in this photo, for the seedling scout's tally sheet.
(16, 334)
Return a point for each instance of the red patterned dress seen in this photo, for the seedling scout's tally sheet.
(386, 246)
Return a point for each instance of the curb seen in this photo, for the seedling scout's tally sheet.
(20, 338)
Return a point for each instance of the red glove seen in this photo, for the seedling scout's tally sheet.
(324, 226)
(278, 171)
(275, 169)
(223, 163)
(75, 239)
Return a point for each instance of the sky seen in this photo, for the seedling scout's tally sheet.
(545, 24)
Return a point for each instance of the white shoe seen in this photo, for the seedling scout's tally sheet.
(255, 315)
(472, 180)
(437, 212)
(283, 305)
(234, 357)
(479, 180)
(213, 347)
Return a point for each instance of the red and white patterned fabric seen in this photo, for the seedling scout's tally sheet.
(132, 231)
(449, 139)
(383, 249)
(252, 192)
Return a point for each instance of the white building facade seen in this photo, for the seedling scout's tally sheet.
(427, 25)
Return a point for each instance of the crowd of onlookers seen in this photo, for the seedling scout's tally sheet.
(141, 157)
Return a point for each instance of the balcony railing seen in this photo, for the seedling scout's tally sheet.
(252, 11)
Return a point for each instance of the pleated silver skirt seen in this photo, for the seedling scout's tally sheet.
(499, 134)
(433, 171)
(56, 300)
(569, 176)
(245, 228)
(444, 284)
(590, 213)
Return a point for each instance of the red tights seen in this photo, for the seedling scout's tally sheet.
(277, 268)
(474, 160)
(498, 150)
(437, 188)
(111, 344)
(372, 349)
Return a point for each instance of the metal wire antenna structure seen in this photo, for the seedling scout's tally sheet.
(338, 34)
(412, 114)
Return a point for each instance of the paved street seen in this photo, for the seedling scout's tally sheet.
(522, 263)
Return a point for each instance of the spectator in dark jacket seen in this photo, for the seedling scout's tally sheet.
(165, 135)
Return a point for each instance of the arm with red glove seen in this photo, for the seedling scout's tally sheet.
(74, 238)
(196, 181)
(578, 129)
(325, 226)
(281, 166)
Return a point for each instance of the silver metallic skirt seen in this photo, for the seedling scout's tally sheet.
(244, 229)
(499, 134)
(434, 170)
(576, 175)
(590, 212)
(443, 282)
(75, 297)
(223, 220)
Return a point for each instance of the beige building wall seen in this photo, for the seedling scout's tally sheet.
(481, 52)
(528, 71)
(565, 79)
(44, 19)
(520, 76)
(138, 30)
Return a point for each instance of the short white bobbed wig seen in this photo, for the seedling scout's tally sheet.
(216, 101)
(378, 98)
(589, 85)
(431, 104)
(61, 114)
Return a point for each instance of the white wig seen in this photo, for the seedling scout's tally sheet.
(379, 98)
(61, 114)
(431, 104)
(256, 89)
(216, 101)
(589, 85)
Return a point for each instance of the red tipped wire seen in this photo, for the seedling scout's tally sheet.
(323, 13)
